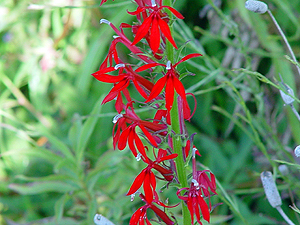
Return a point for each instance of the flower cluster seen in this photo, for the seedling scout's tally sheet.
(160, 89)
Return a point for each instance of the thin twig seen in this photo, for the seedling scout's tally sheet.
(284, 39)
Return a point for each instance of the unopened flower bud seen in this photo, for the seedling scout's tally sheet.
(270, 189)
(256, 6)
(297, 151)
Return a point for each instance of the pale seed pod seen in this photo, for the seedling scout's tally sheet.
(270, 189)
(256, 6)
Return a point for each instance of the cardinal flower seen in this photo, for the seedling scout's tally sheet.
(124, 131)
(140, 215)
(155, 25)
(199, 188)
(171, 82)
(121, 82)
(147, 177)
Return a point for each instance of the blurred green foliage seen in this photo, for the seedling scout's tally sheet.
(57, 162)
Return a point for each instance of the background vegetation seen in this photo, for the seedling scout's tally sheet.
(57, 163)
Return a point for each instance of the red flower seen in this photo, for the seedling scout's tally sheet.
(121, 82)
(171, 82)
(200, 187)
(126, 133)
(147, 177)
(155, 25)
(140, 215)
(124, 40)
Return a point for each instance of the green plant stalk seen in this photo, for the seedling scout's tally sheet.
(175, 125)
(177, 147)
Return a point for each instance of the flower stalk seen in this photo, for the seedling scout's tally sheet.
(165, 133)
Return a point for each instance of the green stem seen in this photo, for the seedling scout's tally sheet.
(177, 147)
(175, 124)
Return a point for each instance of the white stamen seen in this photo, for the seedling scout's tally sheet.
(196, 184)
(117, 117)
(132, 197)
(194, 152)
(138, 157)
(297, 151)
(104, 21)
(116, 36)
(256, 6)
(153, 3)
(121, 65)
(168, 66)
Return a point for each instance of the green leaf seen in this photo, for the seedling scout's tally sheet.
(42, 187)
(59, 207)
(88, 129)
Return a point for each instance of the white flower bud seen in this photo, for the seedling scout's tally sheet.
(101, 220)
(256, 6)
(297, 151)
(270, 189)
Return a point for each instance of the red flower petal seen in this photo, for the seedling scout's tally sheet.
(168, 157)
(147, 188)
(136, 216)
(137, 183)
(169, 93)
(154, 35)
(108, 78)
(143, 30)
(131, 143)
(187, 57)
(191, 208)
(204, 208)
(109, 97)
(140, 146)
(174, 11)
(148, 135)
(123, 139)
(147, 66)
(157, 88)
(161, 214)
(164, 27)
(179, 88)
